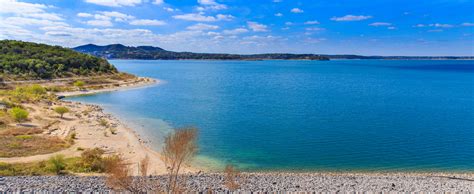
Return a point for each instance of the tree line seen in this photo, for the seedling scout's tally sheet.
(25, 60)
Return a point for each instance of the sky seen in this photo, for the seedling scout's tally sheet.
(363, 27)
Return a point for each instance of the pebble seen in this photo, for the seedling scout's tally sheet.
(251, 182)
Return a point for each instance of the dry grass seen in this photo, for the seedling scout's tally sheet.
(180, 147)
(20, 131)
(27, 145)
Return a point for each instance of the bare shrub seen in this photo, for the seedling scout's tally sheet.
(231, 178)
(144, 166)
(119, 175)
(180, 147)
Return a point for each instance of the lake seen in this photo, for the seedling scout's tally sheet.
(361, 115)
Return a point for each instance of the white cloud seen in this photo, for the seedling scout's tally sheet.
(235, 31)
(84, 15)
(391, 28)
(101, 23)
(169, 9)
(278, 14)
(288, 23)
(158, 2)
(146, 22)
(467, 24)
(57, 33)
(311, 22)
(376, 24)
(29, 10)
(115, 3)
(202, 27)
(116, 15)
(296, 10)
(256, 27)
(210, 4)
(314, 29)
(351, 18)
(22, 21)
(437, 25)
(202, 18)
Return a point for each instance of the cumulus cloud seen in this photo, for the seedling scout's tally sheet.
(199, 17)
(105, 18)
(256, 27)
(278, 14)
(296, 10)
(29, 10)
(101, 23)
(210, 4)
(202, 27)
(348, 18)
(235, 31)
(115, 3)
(147, 22)
(376, 24)
(84, 15)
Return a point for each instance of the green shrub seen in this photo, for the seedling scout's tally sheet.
(18, 114)
(79, 84)
(103, 123)
(57, 164)
(92, 160)
(61, 110)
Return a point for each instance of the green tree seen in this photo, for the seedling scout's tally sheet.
(19, 114)
(61, 110)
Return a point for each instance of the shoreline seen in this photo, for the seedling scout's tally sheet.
(147, 82)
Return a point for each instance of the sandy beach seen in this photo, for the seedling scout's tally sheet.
(86, 121)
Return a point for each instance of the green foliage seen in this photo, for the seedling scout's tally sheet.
(26, 60)
(61, 110)
(92, 160)
(57, 164)
(18, 114)
(79, 84)
(30, 93)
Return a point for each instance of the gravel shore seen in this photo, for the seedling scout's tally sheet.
(261, 182)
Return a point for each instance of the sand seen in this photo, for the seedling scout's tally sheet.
(84, 120)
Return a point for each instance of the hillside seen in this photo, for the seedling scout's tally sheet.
(118, 51)
(25, 61)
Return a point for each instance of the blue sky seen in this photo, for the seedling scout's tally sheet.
(367, 27)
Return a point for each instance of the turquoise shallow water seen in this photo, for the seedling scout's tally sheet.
(309, 115)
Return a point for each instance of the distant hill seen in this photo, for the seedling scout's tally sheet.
(118, 51)
(25, 60)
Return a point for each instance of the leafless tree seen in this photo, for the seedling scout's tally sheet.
(180, 147)
(231, 178)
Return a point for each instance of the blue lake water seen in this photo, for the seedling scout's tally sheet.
(308, 115)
